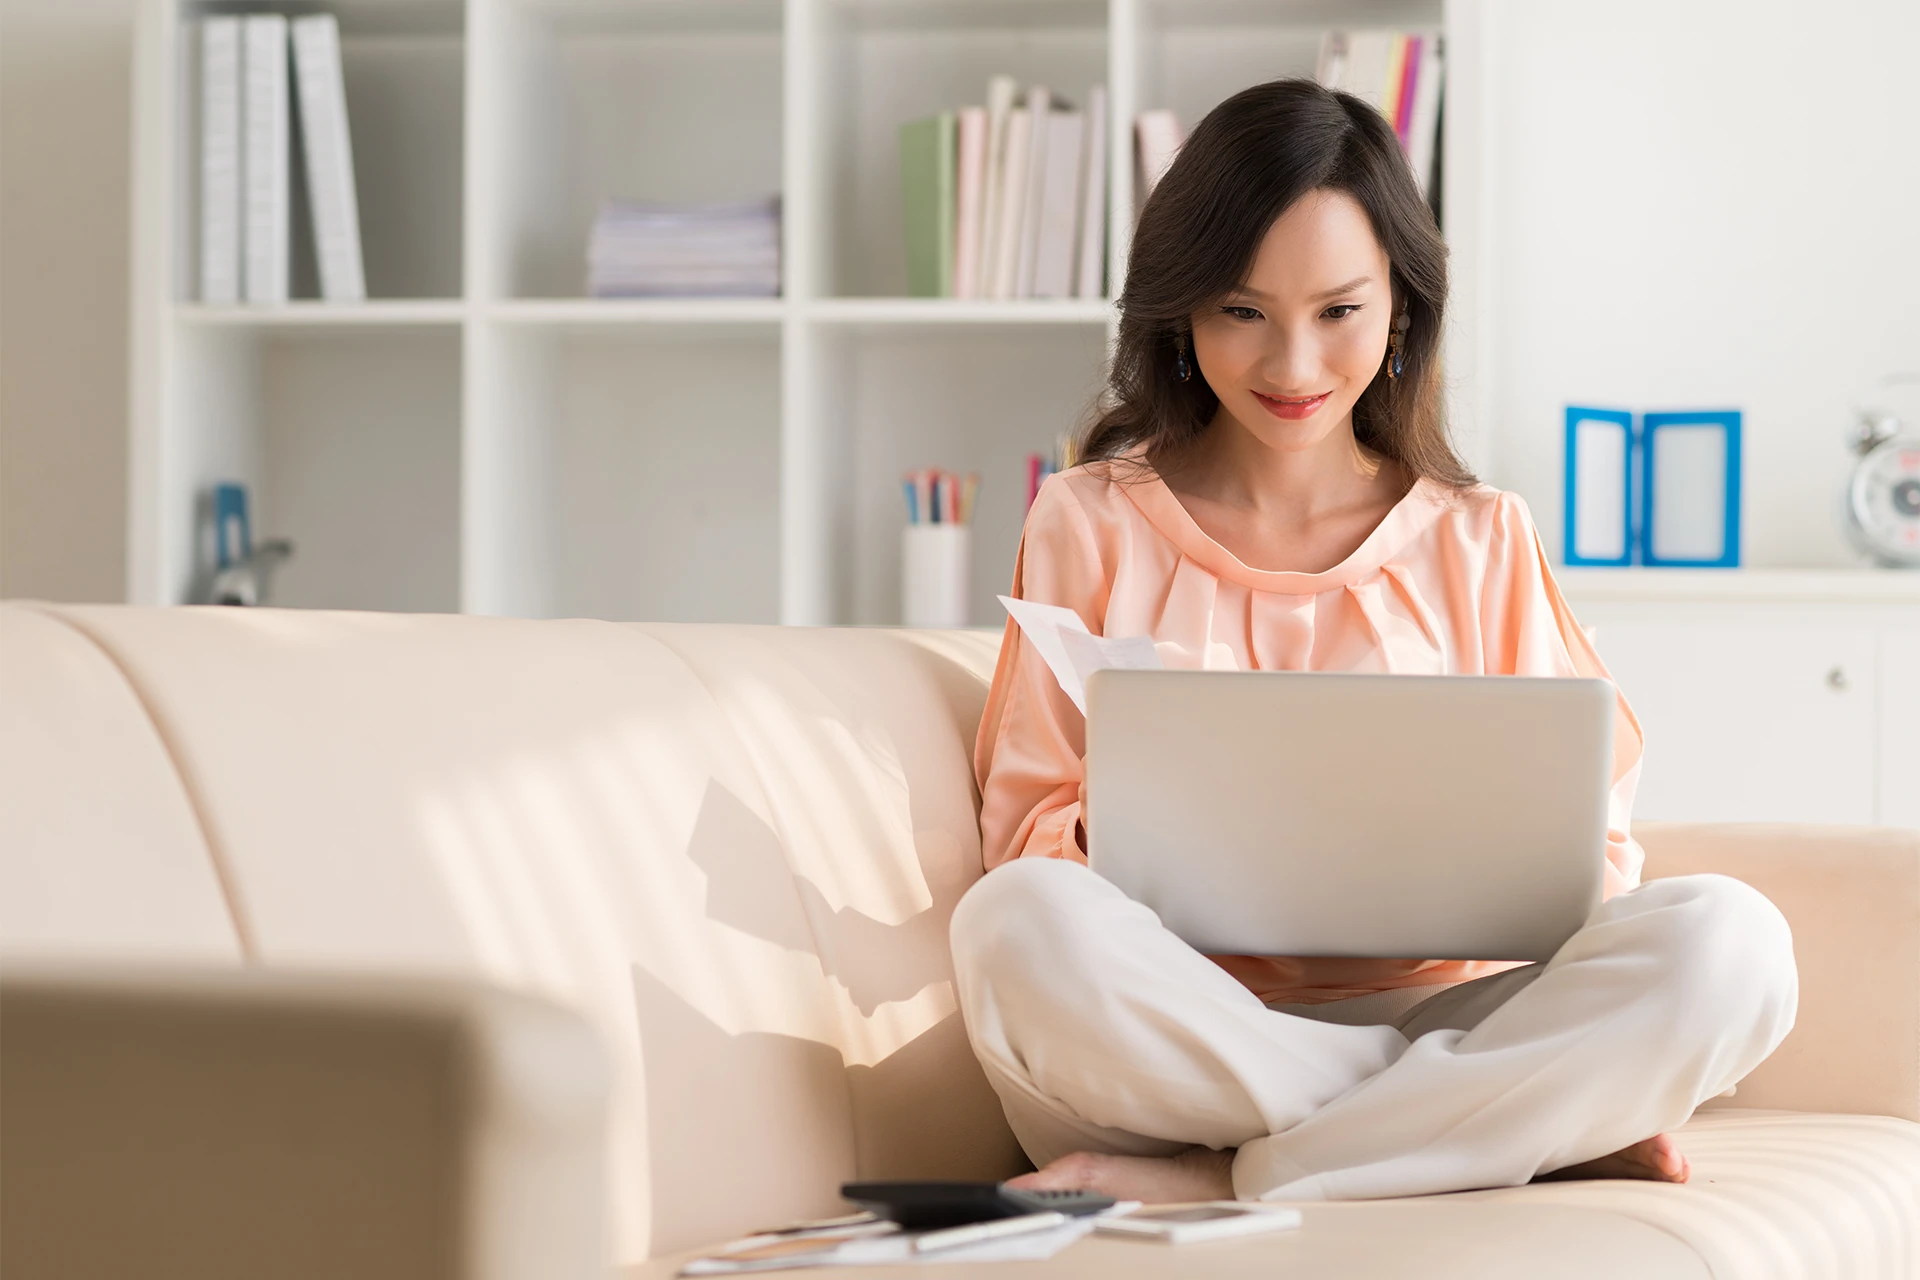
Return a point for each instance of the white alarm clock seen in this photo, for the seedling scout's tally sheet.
(1881, 504)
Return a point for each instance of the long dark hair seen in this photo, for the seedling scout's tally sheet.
(1243, 166)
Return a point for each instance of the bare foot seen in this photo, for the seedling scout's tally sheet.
(1658, 1159)
(1198, 1173)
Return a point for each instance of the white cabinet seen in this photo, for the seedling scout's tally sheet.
(1900, 726)
(1765, 697)
(1749, 723)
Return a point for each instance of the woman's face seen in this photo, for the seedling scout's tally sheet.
(1290, 350)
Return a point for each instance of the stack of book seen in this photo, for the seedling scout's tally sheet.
(246, 125)
(1007, 200)
(711, 249)
(1399, 72)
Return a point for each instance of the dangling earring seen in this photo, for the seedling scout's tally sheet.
(1181, 368)
(1396, 354)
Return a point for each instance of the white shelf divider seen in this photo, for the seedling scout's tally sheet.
(598, 313)
(325, 315)
(881, 312)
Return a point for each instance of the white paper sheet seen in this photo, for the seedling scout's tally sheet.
(892, 1247)
(1074, 653)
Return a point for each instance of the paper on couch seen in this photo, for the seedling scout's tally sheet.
(885, 1247)
(1074, 653)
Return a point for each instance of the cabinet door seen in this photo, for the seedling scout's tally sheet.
(1750, 723)
(1900, 727)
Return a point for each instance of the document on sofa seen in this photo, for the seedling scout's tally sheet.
(1074, 653)
(878, 1243)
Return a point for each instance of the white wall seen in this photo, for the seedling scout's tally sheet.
(65, 87)
(1703, 204)
(1694, 203)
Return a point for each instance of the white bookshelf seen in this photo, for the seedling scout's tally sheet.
(481, 436)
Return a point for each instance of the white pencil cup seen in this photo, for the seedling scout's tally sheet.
(936, 571)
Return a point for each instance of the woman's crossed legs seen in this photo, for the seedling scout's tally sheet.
(1103, 1033)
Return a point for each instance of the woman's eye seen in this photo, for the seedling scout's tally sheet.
(1242, 313)
(1345, 309)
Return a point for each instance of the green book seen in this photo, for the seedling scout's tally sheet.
(927, 190)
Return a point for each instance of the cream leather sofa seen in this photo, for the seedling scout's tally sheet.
(733, 850)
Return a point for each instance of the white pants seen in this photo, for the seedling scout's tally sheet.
(1102, 1031)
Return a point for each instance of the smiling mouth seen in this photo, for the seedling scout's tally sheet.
(1294, 399)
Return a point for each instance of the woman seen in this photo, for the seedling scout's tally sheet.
(1270, 486)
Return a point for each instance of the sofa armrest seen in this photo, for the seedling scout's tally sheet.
(1852, 898)
(246, 1123)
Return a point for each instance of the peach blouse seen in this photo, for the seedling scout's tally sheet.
(1447, 583)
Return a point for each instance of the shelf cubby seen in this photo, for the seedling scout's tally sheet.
(404, 65)
(975, 398)
(349, 442)
(634, 472)
(1191, 55)
(587, 101)
(882, 64)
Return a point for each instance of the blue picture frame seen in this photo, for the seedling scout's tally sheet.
(1570, 544)
(1728, 420)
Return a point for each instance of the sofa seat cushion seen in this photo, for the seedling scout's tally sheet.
(1774, 1194)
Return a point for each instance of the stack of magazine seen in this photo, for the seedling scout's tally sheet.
(713, 249)
(247, 111)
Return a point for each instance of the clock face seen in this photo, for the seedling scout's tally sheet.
(1885, 501)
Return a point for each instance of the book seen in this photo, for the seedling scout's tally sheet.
(1157, 138)
(1090, 235)
(328, 153)
(1053, 258)
(969, 192)
(926, 184)
(220, 159)
(1423, 130)
(1012, 200)
(1040, 105)
(264, 162)
(1000, 95)
(1365, 72)
(1331, 67)
(1394, 78)
(1409, 85)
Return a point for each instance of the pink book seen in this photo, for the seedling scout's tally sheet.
(1396, 76)
(971, 186)
(1410, 79)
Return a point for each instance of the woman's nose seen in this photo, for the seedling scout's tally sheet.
(1293, 364)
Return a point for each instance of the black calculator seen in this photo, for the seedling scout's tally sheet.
(918, 1205)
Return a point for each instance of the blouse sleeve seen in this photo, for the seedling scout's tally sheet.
(1529, 630)
(1028, 757)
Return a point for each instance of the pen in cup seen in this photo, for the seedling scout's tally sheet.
(936, 496)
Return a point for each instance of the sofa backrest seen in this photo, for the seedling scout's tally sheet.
(734, 848)
(101, 853)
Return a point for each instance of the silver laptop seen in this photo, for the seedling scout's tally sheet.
(1321, 814)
